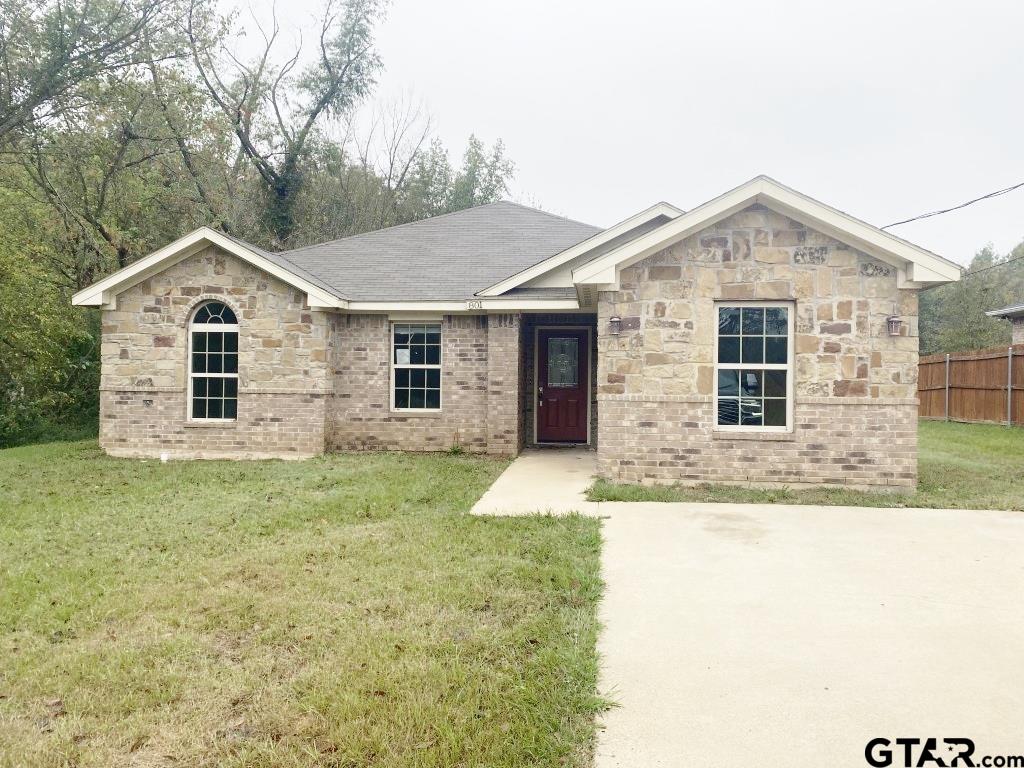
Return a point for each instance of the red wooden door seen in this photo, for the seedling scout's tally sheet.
(563, 396)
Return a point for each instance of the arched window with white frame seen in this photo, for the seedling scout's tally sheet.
(213, 363)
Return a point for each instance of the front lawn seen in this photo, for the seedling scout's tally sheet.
(343, 611)
(960, 466)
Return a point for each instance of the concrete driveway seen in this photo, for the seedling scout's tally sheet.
(741, 635)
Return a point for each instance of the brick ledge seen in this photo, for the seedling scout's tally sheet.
(799, 400)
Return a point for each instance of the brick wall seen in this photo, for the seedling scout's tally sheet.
(479, 387)
(283, 381)
(855, 386)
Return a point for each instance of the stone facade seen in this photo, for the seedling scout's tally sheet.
(855, 385)
(282, 353)
(309, 381)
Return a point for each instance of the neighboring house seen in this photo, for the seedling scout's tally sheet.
(762, 337)
(1015, 315)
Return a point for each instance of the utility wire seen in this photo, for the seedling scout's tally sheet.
(956, 207)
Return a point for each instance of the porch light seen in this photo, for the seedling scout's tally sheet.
(614, 325)
(894, 324)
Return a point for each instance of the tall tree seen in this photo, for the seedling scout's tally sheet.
(275, 110)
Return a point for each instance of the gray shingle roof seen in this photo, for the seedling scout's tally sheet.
(444, 258)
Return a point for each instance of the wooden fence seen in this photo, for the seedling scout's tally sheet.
(981, 385)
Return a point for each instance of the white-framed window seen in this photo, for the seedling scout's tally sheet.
(416, 366)
(213, 363)
(754, 366)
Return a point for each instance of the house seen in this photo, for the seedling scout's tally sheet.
(762, 337)
(1015, 314)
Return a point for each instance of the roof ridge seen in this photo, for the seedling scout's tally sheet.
(435, 218)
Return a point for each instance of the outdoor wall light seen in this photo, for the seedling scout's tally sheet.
(894, 324)
(614, 325)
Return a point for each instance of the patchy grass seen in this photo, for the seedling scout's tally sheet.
(343, 611)
(960, 466)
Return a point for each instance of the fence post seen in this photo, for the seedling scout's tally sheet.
(947, 386)
(1009, 386)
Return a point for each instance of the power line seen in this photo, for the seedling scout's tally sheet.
(957, 207)
(969, 273)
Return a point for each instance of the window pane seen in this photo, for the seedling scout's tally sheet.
(215, 363)
(198, 341)
(216, 388)
(416, 398)
(417, 355)
(230, 342)
(230, 363)
(418, 336)
(198, 363)
(198, 408)
(774, 383)
(728, 383)
(199, 387)
(231, 408)
(775, 349)
(203, 314)
(401, 337)
(563, 359)
(728, 412)
(775, 321)
(433, 354)
(753, 320)
(231, 387)
(434, 378)
(434, 335)
(214, 409)
(433, 398)
(214, 342)
(728, 321)
(753, 349)
(402, 377)
(728, 349)
(750, 383)
(775, 413)
(417, 378)
(750, 412)
(401, 398)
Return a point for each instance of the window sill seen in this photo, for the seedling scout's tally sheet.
(416, 414)
(784, 437)
(227, 424)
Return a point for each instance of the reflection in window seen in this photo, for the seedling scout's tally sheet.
(563, 357)
(416, 366)
(213, 363)
(753, 366)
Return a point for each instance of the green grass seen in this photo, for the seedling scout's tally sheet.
(960, 466)
(343, 611)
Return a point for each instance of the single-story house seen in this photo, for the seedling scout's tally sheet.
(1015, 314)
(762, 337)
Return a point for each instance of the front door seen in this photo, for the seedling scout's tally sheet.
(563, 385)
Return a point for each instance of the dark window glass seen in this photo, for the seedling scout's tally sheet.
(774, 413)
(750, 412)
(433, 398)
(417, 378)
(198, 363)
(214, 342)
(434, 378)
(433, 354)
(753, 349)
(728, 412)
(774, 383)
(728, 383)
(198, 408)
(416, 398)
(215, 364)
(728, 321)
(402, 377)
(728, 349)
(214, 352)
(417, 360)
(215, 409)
(750, 383)
(776, 321)
(230, 408)
(199, 387)
(199, 341)
(216, 387)
(775, 350)
(401, 398)
(563, 359)
(230, 363)
(417, 355)
(753, 321)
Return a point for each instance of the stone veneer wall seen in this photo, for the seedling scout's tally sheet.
(480, 380)
(855, 408)
(282, 354)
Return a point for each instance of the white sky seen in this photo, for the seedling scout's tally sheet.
(882, 108)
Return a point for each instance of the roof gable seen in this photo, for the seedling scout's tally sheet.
(918, 267)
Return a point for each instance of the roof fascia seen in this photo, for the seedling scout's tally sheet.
(595, 241)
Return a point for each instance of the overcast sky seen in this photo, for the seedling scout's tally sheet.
(882, 108)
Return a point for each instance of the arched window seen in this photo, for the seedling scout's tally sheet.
(213, 363)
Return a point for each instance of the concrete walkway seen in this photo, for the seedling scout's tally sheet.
(544, 480)
(769, 635)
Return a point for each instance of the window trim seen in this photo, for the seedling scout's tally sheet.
(424, 366)
(789, 366)
(209, 327)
